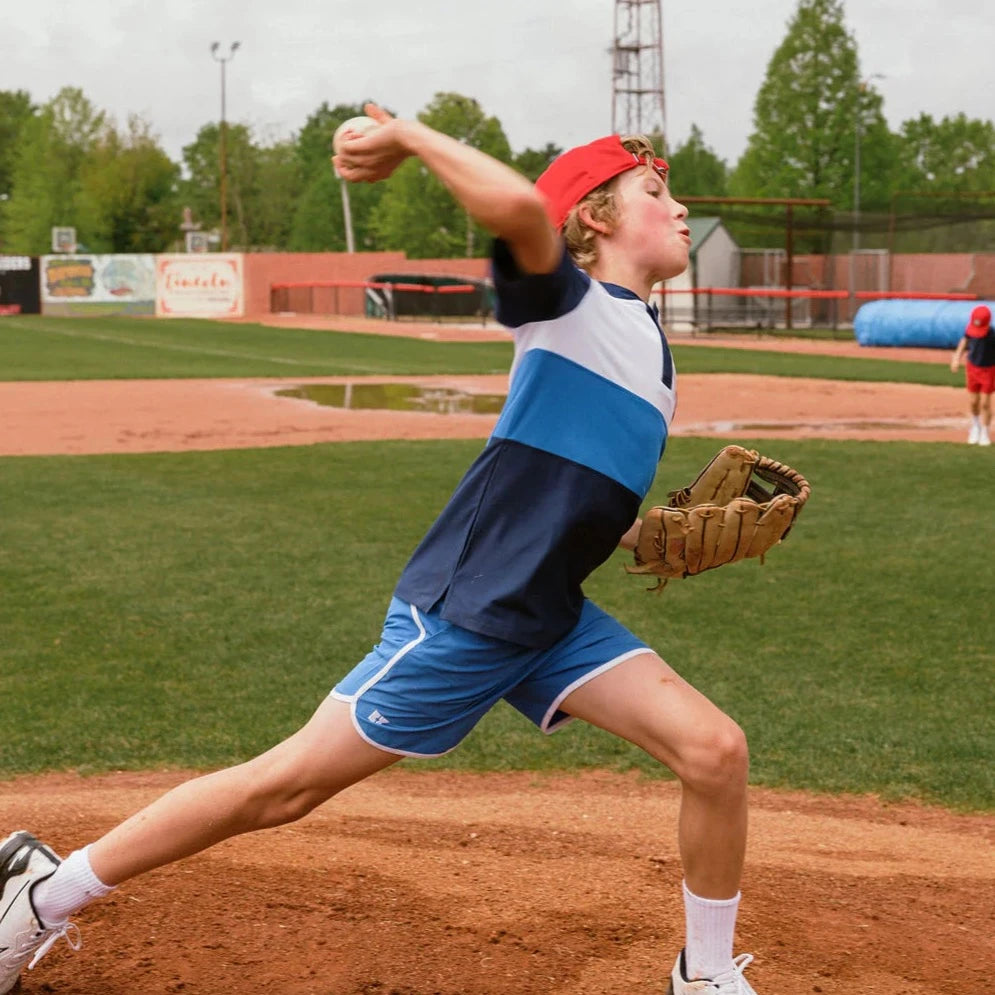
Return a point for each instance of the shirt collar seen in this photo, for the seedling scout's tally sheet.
(630, 295)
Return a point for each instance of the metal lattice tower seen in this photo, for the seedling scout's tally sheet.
(637, 70)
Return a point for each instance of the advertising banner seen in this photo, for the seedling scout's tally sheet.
(93, 284)
(200, 285)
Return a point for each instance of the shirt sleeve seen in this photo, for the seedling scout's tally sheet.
(527, 297)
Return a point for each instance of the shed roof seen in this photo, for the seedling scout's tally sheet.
(701, 229)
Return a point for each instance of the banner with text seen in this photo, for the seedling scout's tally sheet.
(200, 285)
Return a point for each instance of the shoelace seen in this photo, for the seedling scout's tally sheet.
(68, 930)
(731, 982)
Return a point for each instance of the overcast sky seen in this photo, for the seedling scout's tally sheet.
(540, 66)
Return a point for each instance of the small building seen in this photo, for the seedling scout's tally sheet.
(715, 262)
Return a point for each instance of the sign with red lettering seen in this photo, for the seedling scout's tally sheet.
(205, 285)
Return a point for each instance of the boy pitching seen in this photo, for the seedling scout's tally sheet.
(978, 342)
(490, 604)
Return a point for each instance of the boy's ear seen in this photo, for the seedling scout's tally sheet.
(590, 221)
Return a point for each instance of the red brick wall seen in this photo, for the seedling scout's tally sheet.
(263, 269)
(937, 273)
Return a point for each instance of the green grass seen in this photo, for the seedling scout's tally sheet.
(714, 359)
(42, 348)
(191, 609)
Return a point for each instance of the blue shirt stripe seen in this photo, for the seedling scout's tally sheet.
(563, 408)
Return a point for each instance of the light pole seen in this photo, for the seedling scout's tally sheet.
(861, 90)
(350, 242)
(222, 151)
(858, 122)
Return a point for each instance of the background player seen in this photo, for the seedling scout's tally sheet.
(978, 342)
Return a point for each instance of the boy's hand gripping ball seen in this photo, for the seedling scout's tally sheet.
(356, 126)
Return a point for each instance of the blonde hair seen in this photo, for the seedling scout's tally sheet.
(581, 242)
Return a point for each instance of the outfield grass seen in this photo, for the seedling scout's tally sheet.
(190, 609)
(42, 348)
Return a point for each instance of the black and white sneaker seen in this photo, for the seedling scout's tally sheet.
(24, 862)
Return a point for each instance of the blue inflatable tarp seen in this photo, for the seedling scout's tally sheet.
(932, 324)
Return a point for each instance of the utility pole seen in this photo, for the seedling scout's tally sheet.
(222, 140)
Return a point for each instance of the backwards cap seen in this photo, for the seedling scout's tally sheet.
(574, 174)
(981, 320)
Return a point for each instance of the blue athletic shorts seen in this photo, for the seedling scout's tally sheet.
(425, 685)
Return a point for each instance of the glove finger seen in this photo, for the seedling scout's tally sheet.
(697, 547)
(747, 513)
(676, 529)
(738, 524)
(772, 525)
(714, 528)
(724, 478)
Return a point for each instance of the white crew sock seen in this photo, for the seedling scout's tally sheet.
(976, 420)
(72, 886)
(711, 924)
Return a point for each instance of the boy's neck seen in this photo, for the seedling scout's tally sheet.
(623, 277)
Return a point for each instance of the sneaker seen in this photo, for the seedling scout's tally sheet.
(24, 862)
(974, 435)
(983, 439)
(730, 982)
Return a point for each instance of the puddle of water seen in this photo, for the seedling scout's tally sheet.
(397, 397)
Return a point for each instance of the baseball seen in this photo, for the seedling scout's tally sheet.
(359, 125)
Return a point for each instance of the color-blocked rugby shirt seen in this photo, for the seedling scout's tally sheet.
(560, 481)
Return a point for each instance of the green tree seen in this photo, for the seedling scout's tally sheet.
(318, 217)
(943, 199)
(128, 199)
(416, 213)
(201, 191)
(275, 194)
(533, 162)
(806, 113)
(47, 171)
(954, 154)
(16, 110)
(695, 170)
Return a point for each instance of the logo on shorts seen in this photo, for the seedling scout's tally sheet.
(380, 720)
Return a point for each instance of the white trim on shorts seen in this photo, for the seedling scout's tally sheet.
(353, 699)
(549, 727)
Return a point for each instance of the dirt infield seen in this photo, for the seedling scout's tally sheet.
(427, 883)
(518, 884)
(135, 416)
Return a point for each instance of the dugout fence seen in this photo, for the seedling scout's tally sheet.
(389, 296)
(763, 309)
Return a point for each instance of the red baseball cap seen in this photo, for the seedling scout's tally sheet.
(571, 176)
(981, 321)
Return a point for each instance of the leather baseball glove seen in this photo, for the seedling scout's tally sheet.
(739, 506)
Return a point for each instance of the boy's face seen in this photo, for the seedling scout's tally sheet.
(651, 226)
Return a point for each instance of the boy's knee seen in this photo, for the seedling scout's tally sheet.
(280, 794)
(722, 760)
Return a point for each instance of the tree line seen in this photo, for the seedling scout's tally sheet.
(815, 118)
